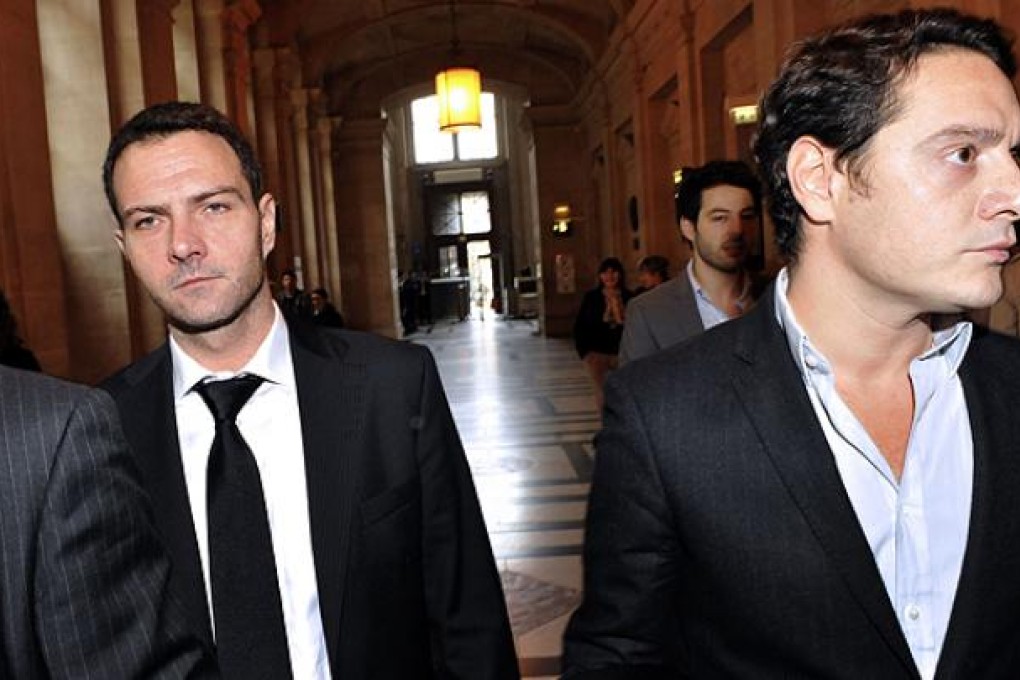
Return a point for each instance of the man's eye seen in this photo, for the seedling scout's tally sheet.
(217, 208)
(965, 155)
(146, 222)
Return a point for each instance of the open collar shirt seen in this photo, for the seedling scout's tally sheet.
(917, 525)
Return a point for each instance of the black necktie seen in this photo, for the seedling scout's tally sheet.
(251, 641)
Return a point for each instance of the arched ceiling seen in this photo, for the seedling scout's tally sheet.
(359, 50)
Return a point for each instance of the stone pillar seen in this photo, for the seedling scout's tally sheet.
(71, 42)
(306, 202)
(324, 143)
(128, 94)
(267, 127)
(209, 39)
(186, 53)
(31, 267)
(286, 77)
(367, 253)
(156, 39)
(237, 18)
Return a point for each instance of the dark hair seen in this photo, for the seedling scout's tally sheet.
(161, 121)
(9, 338)
(321, 292)
(655, 264)
(614, 264)
(289, 272)
(841, 88)
(714, 173)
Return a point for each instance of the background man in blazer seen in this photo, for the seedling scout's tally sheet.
(827, 486)
(382, 563)
(720, 212)
(83, 576)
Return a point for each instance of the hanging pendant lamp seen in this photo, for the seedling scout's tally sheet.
(458, 89)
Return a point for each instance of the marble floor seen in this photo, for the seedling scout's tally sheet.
(526, 413)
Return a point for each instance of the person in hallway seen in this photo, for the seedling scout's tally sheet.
(292, 300)
(310, 482)
(599, 323)
(13, 351)
(827, 486)
(720, 208)
(653, 270)
(82, 573)
(323, 311)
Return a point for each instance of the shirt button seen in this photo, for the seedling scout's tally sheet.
(913, 612)
(810, 362)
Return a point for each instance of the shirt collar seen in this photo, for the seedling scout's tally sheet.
(949, 343)
(741, 302)
(271, 361)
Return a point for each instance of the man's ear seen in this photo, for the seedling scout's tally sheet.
(688, 229)
(118, 236)
(267, 223)
(811, 169)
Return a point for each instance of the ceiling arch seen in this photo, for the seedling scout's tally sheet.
(547, 46)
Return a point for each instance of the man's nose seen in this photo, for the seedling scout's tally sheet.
(186, 239)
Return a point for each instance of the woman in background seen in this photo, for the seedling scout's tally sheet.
(599, 324)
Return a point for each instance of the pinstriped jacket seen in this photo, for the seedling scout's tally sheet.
(82, 573)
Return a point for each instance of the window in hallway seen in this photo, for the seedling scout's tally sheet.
(433, 146)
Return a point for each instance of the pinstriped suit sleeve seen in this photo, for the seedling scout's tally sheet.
(95, 573)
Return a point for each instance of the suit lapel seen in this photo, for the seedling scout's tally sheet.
(152, 428)
(797, 447)
(331, 398)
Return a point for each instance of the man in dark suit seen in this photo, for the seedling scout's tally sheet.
(827, 487)
(83, 576)
(362, 551)
(720, 214)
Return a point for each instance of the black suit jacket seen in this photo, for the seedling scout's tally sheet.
(83, 577)
(721, 541)
(406, 578)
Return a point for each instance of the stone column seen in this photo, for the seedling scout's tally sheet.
(209, 39)
(31, 267)
(367, 253)
(267, 133)
(71, 44)
(327, 203)
(237, 18)
(156, 39)
(306, 202)
(128, 93)
(185, 52)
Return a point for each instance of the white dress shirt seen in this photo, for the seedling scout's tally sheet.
(271, 426)
(917, 527)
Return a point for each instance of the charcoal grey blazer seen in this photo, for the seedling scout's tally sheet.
(721, 542)
(83, 577)
(660, 318)
(408, 587)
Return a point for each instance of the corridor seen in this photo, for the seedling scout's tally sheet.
(524, 408)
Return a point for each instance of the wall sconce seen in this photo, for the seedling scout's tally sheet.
(744, 115)
(678, 176)
(562, 220)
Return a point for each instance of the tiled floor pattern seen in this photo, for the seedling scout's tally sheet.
(524, 408)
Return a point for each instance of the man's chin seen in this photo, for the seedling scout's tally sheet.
(199, 326)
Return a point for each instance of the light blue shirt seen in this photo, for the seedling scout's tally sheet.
(917, 526)
(710, 314)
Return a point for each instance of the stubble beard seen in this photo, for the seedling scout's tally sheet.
(198, 327)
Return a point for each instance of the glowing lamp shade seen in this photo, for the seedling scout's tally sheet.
(459, 91)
